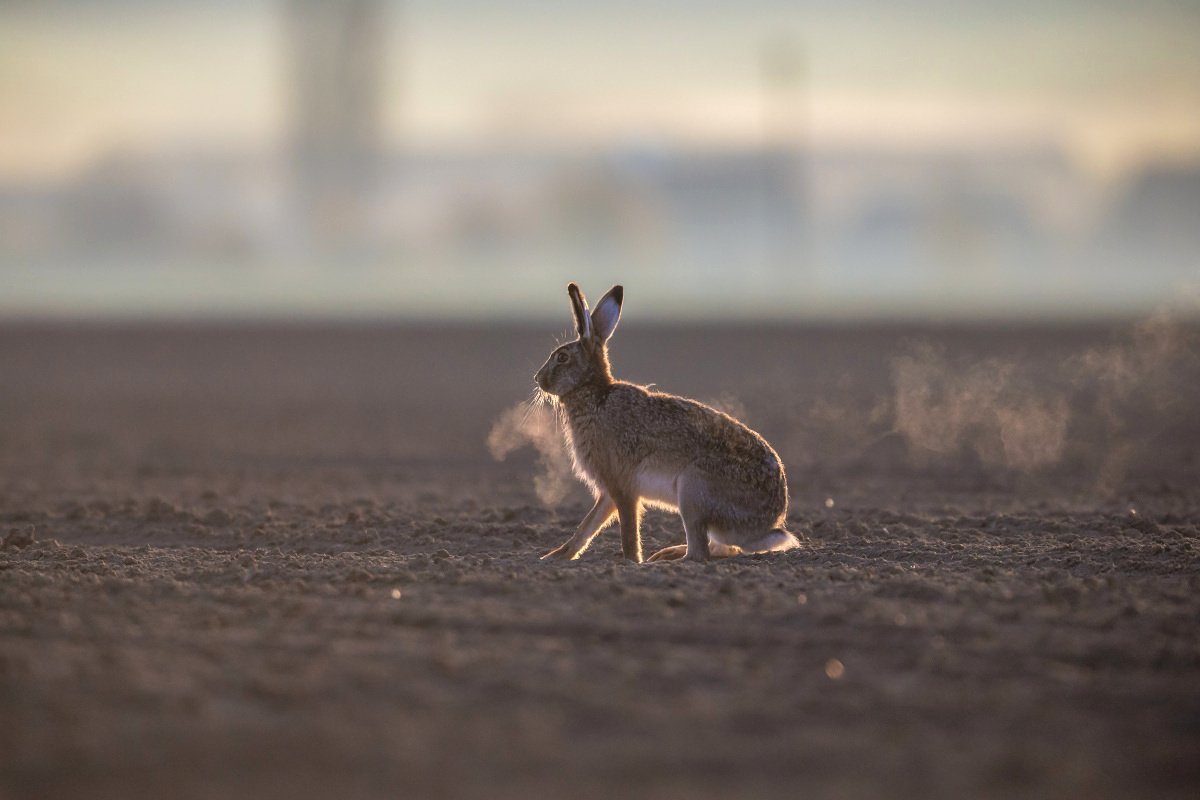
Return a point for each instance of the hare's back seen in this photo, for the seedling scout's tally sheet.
(675, 429)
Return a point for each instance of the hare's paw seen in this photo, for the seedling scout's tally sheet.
(558, 554)
(669, 553)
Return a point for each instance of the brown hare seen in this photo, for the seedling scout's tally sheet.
(632, 446)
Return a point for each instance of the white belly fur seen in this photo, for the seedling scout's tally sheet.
(659, 489)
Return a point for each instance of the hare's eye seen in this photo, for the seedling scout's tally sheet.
(563, 358)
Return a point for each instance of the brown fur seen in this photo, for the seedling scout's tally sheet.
(633, 446)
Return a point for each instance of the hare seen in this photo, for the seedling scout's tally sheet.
(632, 446)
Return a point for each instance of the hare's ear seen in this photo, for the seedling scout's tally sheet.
(608, 311)
(583, 322)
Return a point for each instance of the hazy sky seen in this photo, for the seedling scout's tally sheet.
(1113, 81)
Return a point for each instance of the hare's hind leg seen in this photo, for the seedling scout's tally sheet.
(630, 512)
(697, 505)
(715, 550)
(669, 553)
(772, 541)
(596, 519)
(693, 509)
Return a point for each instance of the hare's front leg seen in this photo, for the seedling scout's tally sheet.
(596, 519)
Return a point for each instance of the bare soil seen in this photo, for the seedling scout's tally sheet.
(279, 561)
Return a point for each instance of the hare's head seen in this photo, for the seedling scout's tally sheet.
(584, 360)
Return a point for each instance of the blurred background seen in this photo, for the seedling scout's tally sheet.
(761, 159)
